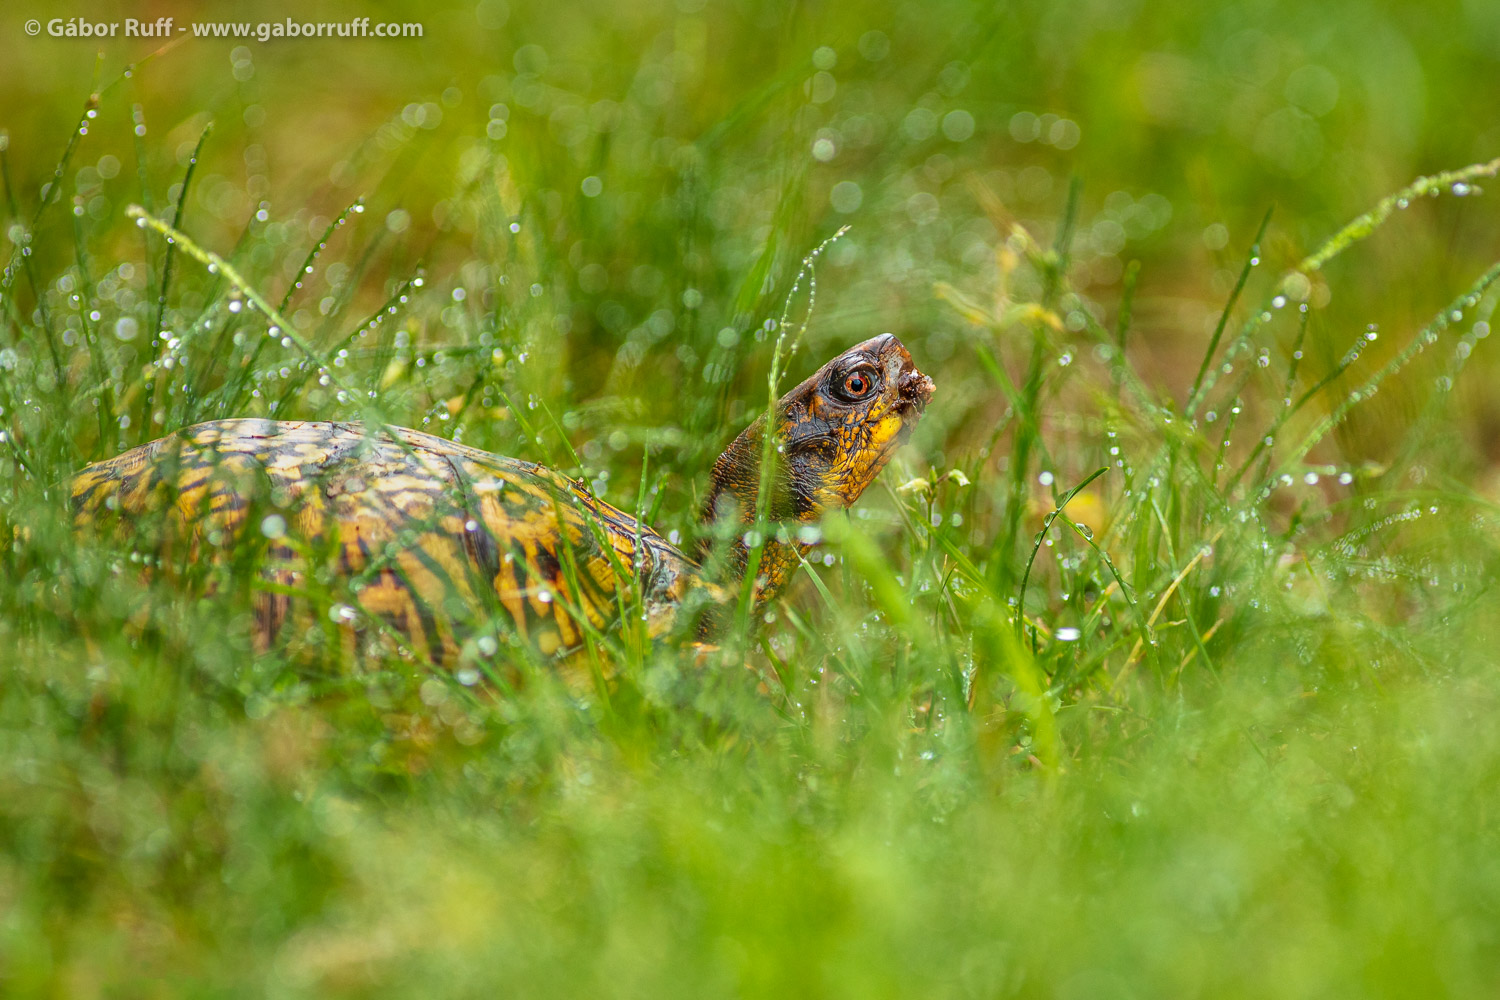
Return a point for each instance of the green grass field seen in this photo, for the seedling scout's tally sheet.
(1223, 727)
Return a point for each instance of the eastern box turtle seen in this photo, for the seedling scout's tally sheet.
(434, 538)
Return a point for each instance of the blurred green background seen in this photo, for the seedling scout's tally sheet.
(590, 212)
(693, 153)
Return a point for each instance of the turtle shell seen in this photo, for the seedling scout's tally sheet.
(436, 539)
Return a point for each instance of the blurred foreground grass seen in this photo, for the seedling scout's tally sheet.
(1229, 734)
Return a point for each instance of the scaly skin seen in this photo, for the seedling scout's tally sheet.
(435, 538)
(831, 450)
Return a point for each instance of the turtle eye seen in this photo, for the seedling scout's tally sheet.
(857, 384)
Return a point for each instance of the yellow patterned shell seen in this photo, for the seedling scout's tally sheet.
(434, 538)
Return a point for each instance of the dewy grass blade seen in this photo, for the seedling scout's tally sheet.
(1366, 224)
(1041, 536)
(104, 386)
(1427, 334)
(780, 354)
(1213, 344)
(51, 189)
(159, 327)
(210, 259)
(354, 207)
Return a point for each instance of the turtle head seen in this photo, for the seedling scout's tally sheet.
(840, 427)
(835, 432)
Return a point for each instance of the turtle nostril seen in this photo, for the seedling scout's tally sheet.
(916, 387)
